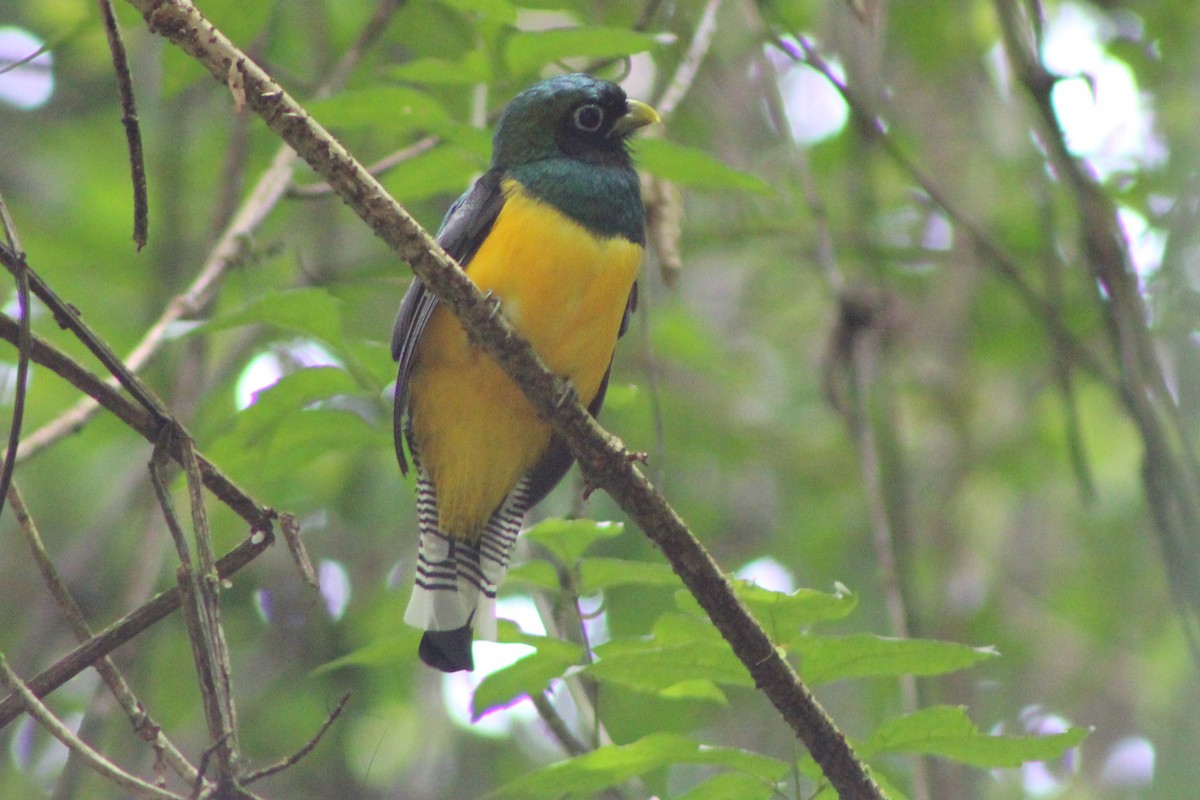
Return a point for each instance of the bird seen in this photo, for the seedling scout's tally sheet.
(554, 231)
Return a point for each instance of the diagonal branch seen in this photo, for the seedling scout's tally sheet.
(259, 518)
(1171, 465)
(143, 724)
(131, 783)
(226, 255)
(603, 458)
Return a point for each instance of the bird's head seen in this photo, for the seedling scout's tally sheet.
(573, 116)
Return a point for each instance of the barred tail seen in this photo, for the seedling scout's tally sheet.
(456, 580)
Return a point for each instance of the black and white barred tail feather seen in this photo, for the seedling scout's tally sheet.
(456, 580)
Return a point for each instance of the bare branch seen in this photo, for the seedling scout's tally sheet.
(227, 253)
(308, 747)
(58, 730)
(125, 629)
(143, 724)
(199, 587)
(21, 273)
(129, 118)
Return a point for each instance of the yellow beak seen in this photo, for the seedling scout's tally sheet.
(639, 115)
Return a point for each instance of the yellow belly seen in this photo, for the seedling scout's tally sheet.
(562, 288)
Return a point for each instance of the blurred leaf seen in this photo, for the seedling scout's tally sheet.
(290, 395)
(729, 785)
(784, 616)
(401, 648)
(794, 16)
(681, 649)
(442, 170)
(947, 731)
(567, 539)
(499, 10)
(387, 108)
(688, 166)
(596, 573)
(537, 572)
(473, 67)
(526, 676)
(584, 775)
(696, 689)
(311, 311)
(528, 51)
(824, 659)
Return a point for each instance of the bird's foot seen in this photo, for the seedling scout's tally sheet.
(632, 457)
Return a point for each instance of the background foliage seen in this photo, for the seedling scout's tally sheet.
(839, 375)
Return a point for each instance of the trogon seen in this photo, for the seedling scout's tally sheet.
(554, 230)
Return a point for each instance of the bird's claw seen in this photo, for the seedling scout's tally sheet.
(565, 396)
(492, 300)
(631, 457)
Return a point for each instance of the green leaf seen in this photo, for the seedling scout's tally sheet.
(688, 166)
(732, 784)
(567, 539)
(831, 658)
(498, 10)
(379, 653)
(784, 616)
(681, 649)
(389, 108)
(528, 51)
(792, 15)
(587, 774)
(290, 395)
(596, 573)
(695, 689)
(310, 311)
(525, 676)
(541, 574)
(471, 68)
(442, 170)
(947, 731)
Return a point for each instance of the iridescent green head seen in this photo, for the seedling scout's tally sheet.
(576, 116)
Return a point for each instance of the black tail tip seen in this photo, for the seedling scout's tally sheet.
(449, 651)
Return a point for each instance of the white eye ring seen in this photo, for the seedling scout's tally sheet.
(588, 118)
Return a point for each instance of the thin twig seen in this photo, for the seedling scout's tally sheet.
(557, 725)
(24, 344)
(198, 585)
(290, 527)
(308, 747)
(226, 254)
(58, 730)
(856, 346)
(260, 518)
(689, 65)
(1171, 472)
(68, 318)
(147, 729)
(127, 628)
(1000, 259)
(129, 118)
(314, 190)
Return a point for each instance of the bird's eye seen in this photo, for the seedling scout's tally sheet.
(588, 118)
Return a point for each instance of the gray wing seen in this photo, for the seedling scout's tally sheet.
(464, 228)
